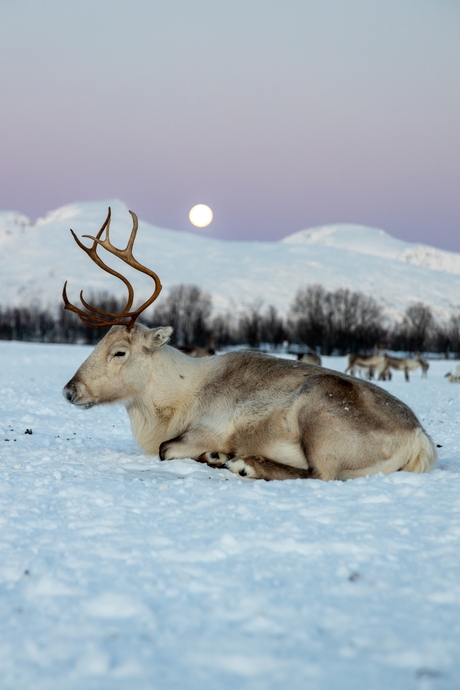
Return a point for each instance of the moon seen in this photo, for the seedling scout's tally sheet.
(200, 215)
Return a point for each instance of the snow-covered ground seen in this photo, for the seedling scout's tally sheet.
(118, 571)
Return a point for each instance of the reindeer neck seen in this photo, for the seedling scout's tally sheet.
(173, 377)
(164, 405)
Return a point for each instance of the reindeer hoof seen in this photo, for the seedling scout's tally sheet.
(164, 447)
(240, 467)
(162, 451)
(214, 458)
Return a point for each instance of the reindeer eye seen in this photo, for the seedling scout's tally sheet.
(119, 354)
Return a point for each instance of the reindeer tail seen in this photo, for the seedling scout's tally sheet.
(424, 454)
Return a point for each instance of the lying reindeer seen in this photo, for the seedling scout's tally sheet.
(254, 414)
(309, 358)
(196, 350)
(453, 378)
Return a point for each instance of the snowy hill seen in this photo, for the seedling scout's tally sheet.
(365, 240)
(36, 259)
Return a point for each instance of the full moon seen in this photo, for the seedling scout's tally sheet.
(200, 215)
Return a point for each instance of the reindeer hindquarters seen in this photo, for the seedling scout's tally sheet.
(423, 453)
(413, 451)
(349, 455)
(349, 430)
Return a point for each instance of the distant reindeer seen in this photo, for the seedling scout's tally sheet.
(405, 364)
(454, 378)
(309, 358)
(257, 415)
(196, 351)
(366, 365)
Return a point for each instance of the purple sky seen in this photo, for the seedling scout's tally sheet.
(280, 115)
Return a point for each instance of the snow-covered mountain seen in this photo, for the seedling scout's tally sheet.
(365, 240)
(36, 259)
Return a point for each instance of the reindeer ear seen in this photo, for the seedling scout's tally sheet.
(159, 336)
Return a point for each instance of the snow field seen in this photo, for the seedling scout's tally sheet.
(119, 571)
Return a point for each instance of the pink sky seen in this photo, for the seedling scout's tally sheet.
(279, 115)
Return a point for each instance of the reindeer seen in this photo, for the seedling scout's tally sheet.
(196, 350)
(405, 364)
(309, 358)
(366, 365)
(455, 377)
(254, 414)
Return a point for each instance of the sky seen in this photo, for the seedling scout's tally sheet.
(279, 114)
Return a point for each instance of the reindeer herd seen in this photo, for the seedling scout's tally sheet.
(380, 366)
(256, 415)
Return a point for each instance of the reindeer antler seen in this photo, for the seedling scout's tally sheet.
(95, 317)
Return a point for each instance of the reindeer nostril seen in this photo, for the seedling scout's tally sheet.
(68, 394)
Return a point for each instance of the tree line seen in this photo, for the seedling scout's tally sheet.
(339, 321)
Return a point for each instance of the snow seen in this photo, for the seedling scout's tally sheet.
(118, 571)
(375, 242)
(36, 260)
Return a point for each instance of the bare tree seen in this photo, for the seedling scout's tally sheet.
(224, 330)
(250, 324)
(188, 310)
(310, 316)
(416, 328)
(453, 334)
(272, 328)
(342, 320)
(355, 320)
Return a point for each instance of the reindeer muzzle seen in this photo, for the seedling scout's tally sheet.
(74, 394)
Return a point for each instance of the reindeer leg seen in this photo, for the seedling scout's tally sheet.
(256, 467)
(190, 444)
(251, 466)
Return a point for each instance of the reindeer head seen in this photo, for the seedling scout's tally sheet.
(118, 368)
(117, 365)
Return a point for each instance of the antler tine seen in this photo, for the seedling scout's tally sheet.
(98, 312)
(89, 318)
(127, 252)
(92, 253)
(126, 255)
(132, 237)
(95, 317)
(131, 261)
